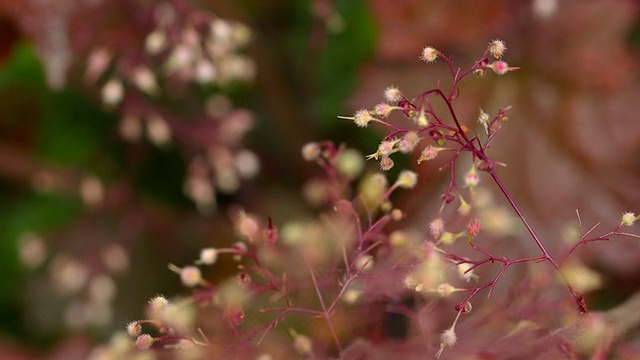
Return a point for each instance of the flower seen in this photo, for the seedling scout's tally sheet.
(407, 179)
(447, 338)
(500, 67)
(363, 263)
(362, 118)
(464, 208)
(208, 256)
(483, 119)
(446, 289)
(473, 228)
(350, 163)
(386, 163)
(497, 48)
(155, 42)
(421, 118)
(429, 153)
(112, 92)
(134, 328)
(471, 179)
(436, 227)
(465, 273)
(144, 341)
(628, 218)
(429, 54)
(311, 151)
(383, 109)
(303, 345)
(408, 142)
(387, 147)
(392, 94)
(190, 276)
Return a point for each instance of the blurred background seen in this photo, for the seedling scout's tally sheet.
(131, 130)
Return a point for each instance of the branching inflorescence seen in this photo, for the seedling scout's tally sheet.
(321, 267)
(455, 138)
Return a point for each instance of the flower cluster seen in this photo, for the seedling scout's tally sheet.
(185, 52)
(419, 122)
(342, 260)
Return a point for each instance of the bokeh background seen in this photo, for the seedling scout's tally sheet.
(120, 153)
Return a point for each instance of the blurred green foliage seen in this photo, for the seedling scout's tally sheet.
(54, 131)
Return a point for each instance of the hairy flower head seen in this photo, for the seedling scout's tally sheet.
(429, 54)
(497, 48)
